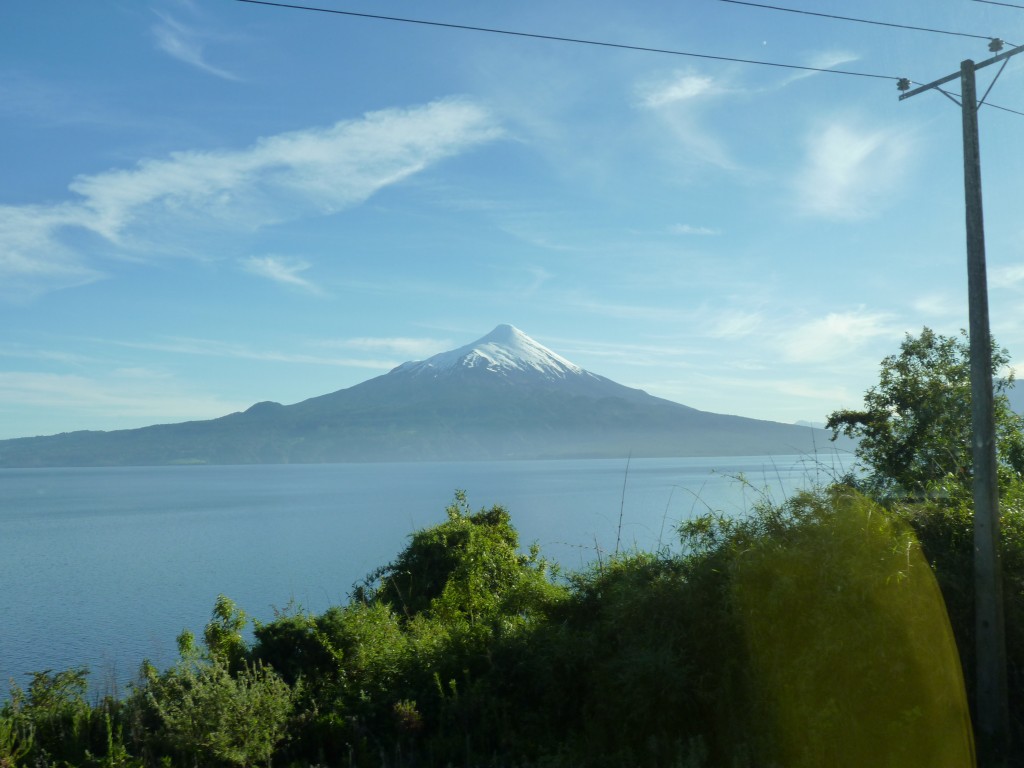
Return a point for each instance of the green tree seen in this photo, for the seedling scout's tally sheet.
(223, 635)
(467, 569)
(915, 427)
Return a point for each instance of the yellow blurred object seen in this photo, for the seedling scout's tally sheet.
(853, 656)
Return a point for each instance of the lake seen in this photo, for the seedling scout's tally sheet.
(106, 566)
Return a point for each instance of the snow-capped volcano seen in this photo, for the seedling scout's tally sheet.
(504, 350)
(505, 396)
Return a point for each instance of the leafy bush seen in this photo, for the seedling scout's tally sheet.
(467, 570)
(207, 713)
(52, 724)
(213, 706)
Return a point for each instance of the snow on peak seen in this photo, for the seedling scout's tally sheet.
(506, 350)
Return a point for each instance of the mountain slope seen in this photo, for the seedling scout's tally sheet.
(502, 397)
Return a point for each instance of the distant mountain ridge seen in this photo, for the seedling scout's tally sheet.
(505, 396)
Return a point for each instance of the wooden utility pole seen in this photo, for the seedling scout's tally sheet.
(989, 626)
(991, 708)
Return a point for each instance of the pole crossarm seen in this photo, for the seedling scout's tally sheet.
(956, 75)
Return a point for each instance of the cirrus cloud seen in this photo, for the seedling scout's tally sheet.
(836, 335)
(850, 172)
(280, 269)
(689, 229)
(177, 203)
(410, 348)
(184, 43)
(680, 86)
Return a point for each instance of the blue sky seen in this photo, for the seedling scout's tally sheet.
(205, 204)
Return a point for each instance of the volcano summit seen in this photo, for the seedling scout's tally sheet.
(505, 396)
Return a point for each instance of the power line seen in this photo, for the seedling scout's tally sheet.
(1004, 109)
(556, 38)
(993, 2)
(890, 24)
(954, 96)
(863, 21)
(606, 44)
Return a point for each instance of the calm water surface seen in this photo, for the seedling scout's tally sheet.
(106, 566)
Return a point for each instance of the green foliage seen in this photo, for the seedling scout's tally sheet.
(367, 642)
(209, 714)
(223, 635)
(53, 715)
(293, 644)
(946, 533)
(16, 735)
(641, 665)
(214, 705)
(52, 724)
(467, 570)
(915, 427)
(412, 658)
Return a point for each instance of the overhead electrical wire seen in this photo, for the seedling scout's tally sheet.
(986, 103)
(1007, 5)
(1004, 109)
(623, 46)
(994, 40)
(859, 21)
(556, 38)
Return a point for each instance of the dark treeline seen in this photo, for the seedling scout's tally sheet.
(830, 628)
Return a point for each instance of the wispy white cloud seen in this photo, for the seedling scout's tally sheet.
(700, 143)
(850, 172)
(832, 59)
(214, 348)
(1010, 276)
(185, 44)
(689, 229)
(673, 99)
(324, 169)
(32, 258)
(27, 352)
(938, 305)
(623, 311)
(642, 354)
(822, 60)
(408, 348)
(281, 269)
(174, 204)
(836, 335)
(674, 88)
(538, 230)
(538, 277)
(733, 324)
